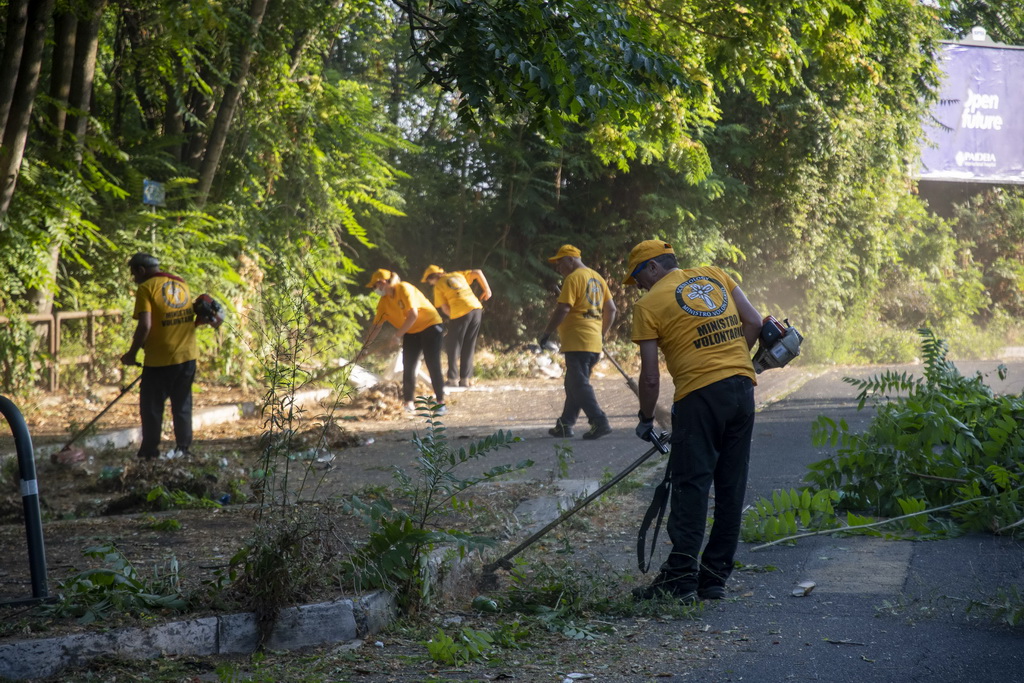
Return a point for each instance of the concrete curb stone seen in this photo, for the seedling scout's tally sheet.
(232, 634)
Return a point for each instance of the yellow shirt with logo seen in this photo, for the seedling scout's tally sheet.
(394, 308)
(693, 316)
(453, 289)
(585, 291)
(172, 336)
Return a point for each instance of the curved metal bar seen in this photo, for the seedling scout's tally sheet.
(29, 498)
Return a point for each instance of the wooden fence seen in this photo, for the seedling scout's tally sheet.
(53, 323)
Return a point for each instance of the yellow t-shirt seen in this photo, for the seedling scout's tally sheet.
(695, 320)
(453, 289)
(395, 307)
(585, 291)
(172, 337)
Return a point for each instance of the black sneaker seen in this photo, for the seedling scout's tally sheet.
(597, 431)
(711, 592)
(561, 430)
(663, 588)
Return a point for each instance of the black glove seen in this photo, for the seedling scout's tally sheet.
(645, 427)
(545, 343)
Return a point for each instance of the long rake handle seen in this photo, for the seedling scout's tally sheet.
(103, 412)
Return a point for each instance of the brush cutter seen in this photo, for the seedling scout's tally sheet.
(660, 446)
(68, 454)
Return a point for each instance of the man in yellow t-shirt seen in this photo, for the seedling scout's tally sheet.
(454, 297)
(705, 327)
(583, 315)
(418, 330)
(165, 331)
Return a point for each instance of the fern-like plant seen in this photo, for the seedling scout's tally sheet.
(403, 536)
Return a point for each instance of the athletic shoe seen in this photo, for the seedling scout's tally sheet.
(597, 431)
(440, 410)
(561, 430)
(665, 588)
(711, 592)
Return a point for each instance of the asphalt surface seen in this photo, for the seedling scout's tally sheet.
(881, 610)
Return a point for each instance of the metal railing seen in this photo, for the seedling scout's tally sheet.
(54, 323)
(29, 486)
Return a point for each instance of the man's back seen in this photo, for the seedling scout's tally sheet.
(172, 338)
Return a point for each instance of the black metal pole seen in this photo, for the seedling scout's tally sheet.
(29, 497)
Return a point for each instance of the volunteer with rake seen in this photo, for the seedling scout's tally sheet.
(583, 315)
(705, 327)
(418, 330)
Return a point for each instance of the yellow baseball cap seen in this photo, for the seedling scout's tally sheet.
(563, 251)
(431, 270)
(645, 251)
(379, 274)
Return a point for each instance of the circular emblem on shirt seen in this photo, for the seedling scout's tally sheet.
(702, 296)
(593, 292)
(454, 283)
(174, 294)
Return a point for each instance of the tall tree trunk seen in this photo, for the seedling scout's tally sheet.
(12, 149)
(232, 94)
(86, 47)
(14, 44)
(60, 73)
(174, 121)
(202, 108)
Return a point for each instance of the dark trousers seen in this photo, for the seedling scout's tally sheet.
(159, 384)
(579, 394)
(427, 343)
(711, 432)
(460, 345)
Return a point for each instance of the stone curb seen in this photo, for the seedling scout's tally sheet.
(233, 634)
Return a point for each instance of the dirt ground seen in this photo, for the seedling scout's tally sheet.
(104, 496)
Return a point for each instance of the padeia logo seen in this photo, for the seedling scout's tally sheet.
(975, 159)
(702, 292)
(974, 115)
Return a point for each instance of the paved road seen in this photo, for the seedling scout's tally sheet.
(881, 610)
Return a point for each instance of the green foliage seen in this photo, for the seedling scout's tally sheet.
(788, 513)
(942, 443)
(402, 538)
(95, 594)
(471, 644)
(20, 365)
(169, 524)
(162, 499)
(291, 557)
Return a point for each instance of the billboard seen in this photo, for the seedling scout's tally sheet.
(976, 129)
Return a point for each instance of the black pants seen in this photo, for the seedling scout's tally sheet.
(157, 385)
(579, 394)
(711, 432)
(428, 343)
(460, 345)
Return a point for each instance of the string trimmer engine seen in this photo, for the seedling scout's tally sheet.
(778, 344)
(208, 311)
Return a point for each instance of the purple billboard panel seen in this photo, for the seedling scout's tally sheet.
(976, 129)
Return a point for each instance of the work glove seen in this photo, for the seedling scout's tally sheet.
(645, 427)
(545, 343)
